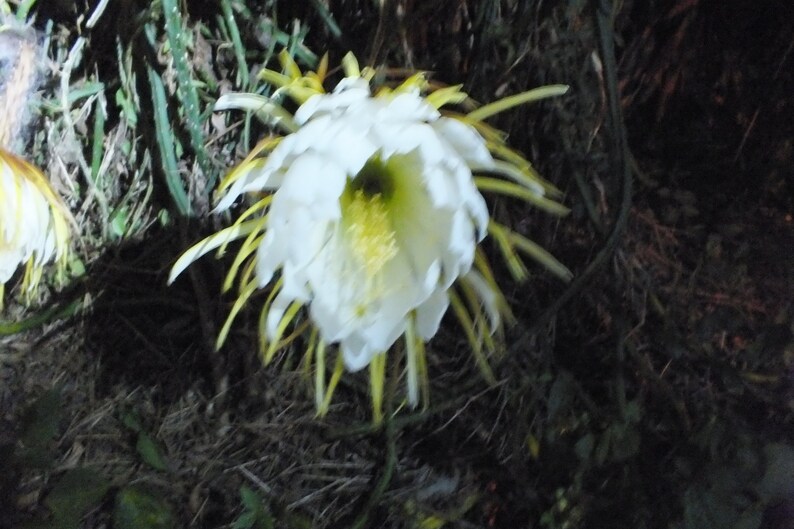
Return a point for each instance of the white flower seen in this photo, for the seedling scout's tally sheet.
(373, 220)
(375, 215)
(33, 225)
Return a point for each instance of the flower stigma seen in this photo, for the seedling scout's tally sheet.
(369, 229)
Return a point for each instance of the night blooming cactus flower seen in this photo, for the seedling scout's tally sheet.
(34, 229)
(33, 225)
(368, 218)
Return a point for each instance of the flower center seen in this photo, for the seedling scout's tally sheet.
(369, 230)
(371, 235)
(374, 179)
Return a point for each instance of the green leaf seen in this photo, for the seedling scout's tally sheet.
(131, 421)
(560, 396)
(256, 514)
(633, 412)
(625, 442)
(38, 427)
(127, 107)
(186, 89)
(83, 91)
(245, 521)
(118, 222)
(150, 452)
(98, 147)
(777, 482)
(76, 266)
(78, 491)
(137, 508)
(705, 509)
(39, 422)
(237, 42)
(432, 522)
(328, 19)
(250, 499)
(584, 447)
(37, 524)
(602, 450)
(166, 142)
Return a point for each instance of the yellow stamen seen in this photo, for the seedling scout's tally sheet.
(371, 235)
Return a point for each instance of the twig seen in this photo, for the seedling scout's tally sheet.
(750, 127)
(386, 22)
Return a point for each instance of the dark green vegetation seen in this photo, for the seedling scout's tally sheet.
(654, 391)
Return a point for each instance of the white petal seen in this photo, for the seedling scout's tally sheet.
(410, 106)
(352, 84)
(460, 257)
(420, 228)
(478, 210)
(348, 91)
(10, 259)
(332, 309)
(442, 189)
(465, 140)
(250, 181)
(269, 257)
(430, 313)
(295, 283)
(348, 144)
(356, 353)
(307, 237)
(332, 321)
(276, 313)
(312, 180)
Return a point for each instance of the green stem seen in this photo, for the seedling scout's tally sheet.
(56, 312)
(390, 435)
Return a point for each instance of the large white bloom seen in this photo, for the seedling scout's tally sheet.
(375, 215)
(369, 214)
